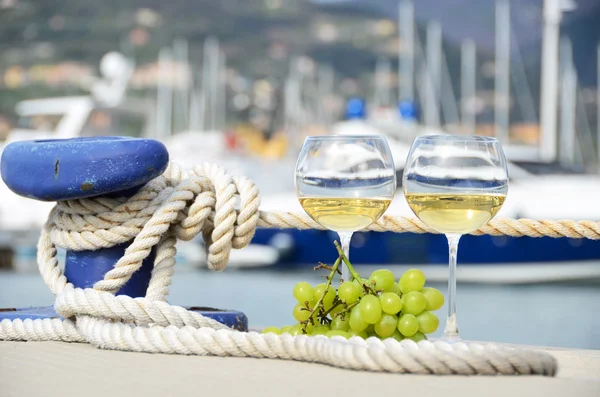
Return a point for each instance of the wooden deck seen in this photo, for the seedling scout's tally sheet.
(61, 369)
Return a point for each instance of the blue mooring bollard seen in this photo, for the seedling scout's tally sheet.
(55, 170)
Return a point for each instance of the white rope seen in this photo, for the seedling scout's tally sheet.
(180, 205)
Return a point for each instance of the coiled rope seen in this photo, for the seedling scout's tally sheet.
(225, 209)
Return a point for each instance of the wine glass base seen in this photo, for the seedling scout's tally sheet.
(451, 337)
(451, 329)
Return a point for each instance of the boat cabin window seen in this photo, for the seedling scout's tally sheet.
(457, 162)
(39, 122)
(550, 168)
(370, 164)
(103, 122)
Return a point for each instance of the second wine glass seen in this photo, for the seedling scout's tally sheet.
(455, 185)
(345, 183)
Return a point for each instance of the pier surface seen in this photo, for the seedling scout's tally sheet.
(70, 369)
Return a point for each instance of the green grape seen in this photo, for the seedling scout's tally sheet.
(336, 310)
(308, 328)
(363, 280)
(286, 329)
(319, 290)
(301, 313)
(411, 280)
(349, 292)
(390, 303)
(296, 330)
(417, 337)
(435, 299)
(315, 318)
(370, 329)
(386, 325)
(359, 284)
(339, 324)
(396, 289)
(428, 322)
(362, 334)
(337, 333)
(329, 298)
(370, 309)
(383, 279)
(408, 324)
(414, 302)
(356, 322)
(274, 330)
(396, 335)
(303, 292)
(320, 330)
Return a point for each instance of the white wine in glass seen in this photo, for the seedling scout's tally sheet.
(345, 183)
(455, 185)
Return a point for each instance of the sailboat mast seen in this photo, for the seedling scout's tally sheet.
(214, 51)
(520, 83)
(598, 106)
(502, 83)
(433, 54)
(468, 82)
(447, 94)
(382, 95)
(182, 95)
(568, 98)
(222, 90)
(195, 110)
(326, 82)
(165, 94)
(549, 83)
(406, 31)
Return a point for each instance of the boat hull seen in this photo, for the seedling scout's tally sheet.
(381, 248)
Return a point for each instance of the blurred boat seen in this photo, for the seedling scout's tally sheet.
(537, 190)
(107, 111)
(549, 193)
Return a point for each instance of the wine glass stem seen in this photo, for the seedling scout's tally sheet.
(345, 238)
(451, 331)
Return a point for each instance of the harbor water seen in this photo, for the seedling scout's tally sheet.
(544, 314)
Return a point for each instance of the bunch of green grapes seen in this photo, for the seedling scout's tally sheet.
(378, 306)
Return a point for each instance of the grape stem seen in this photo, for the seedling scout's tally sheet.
(353, 272)
(324, 266)
(347, 261)
(346, 310)
(319, 303)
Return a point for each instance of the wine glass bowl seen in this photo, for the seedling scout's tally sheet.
(345, 182)
(455, 185)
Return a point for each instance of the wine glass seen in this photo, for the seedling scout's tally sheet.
(455, 185)
(345, 183)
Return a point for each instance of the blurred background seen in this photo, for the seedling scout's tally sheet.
(243, 82)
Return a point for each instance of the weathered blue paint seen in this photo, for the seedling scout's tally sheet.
(33, 313)
(231, 318)
(85, 268)
(54, 170)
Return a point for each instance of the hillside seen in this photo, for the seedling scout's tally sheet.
(259, 37)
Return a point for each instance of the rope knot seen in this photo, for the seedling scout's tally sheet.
(178, 204)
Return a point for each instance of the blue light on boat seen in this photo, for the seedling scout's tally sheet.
(356, 109)
(408, 110)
